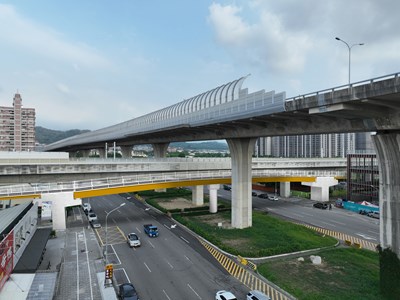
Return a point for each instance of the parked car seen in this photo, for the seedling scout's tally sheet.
(95, 224)
(273, 198)
(263, 196)
(320, 205)
(225, 295)
(227, 187)
(257, 295)
(86, 206)
(133, 240)
(92, 216)
(254, 194)
(128, 292)
(373, 214)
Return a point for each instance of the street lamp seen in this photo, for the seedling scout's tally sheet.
(349, 47)
(122, 204)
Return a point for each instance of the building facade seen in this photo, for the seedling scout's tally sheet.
(17, 127)
(363, 177)
(317, 145)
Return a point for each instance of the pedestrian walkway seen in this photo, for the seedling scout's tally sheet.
(248, 278)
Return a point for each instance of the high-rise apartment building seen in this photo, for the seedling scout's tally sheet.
(17, 127)
(314, 145)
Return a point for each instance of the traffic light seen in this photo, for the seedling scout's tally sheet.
(109, 271)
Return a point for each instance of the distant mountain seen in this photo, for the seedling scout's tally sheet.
(48, 136)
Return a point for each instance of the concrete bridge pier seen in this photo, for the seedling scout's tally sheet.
(387, 146)
(59, 201)
(320, 188)
(198, 195)
(102, 152)
(85, 153)
(126, 151)
(213, 192)
(241, 154)
(160, 151)
(284, 189)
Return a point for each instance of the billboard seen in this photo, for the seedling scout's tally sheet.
(6, 258)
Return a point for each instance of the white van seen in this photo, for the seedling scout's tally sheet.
(257, 295)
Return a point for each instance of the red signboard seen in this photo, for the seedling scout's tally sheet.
(6, 258)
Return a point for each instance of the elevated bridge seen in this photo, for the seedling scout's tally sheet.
(232, 113)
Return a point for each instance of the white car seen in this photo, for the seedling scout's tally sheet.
(86, 206)
(257, 295)
(92, 216)
(133, 240)
(273, 198)
(225, 295)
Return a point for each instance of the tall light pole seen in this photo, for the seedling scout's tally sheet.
(106, 252)
(349, 47)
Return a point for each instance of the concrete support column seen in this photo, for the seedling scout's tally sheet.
(102, 152)
(126, 151)
(387, 147)
(284, 189)
(213, 189)
(241, 153)
(198, 195)
(160, 150)
(59, 201)
(320, 188)
(85, 153)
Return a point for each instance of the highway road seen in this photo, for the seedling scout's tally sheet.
(302, 210)
(172, 266)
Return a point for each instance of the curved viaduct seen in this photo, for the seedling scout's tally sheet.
(232, 113)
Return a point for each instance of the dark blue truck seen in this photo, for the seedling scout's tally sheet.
(150, 230)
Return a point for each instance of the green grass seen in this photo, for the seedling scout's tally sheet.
(345, 273)
(268, 236)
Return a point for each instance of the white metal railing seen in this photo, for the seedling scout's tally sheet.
(343, 87)
(101, 183)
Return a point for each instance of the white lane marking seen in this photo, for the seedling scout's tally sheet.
(138, 230)
(147, 267)
(198, 296)
(115, 222)
(188, 258)
(77, 266)
(115, 252)
(329, 224)
(340, 223)
(365, 236)
(310, 215)
(301, 216)
(169, 264)
(88, 266)
(166, 295)
(129, 220)
(167, 227)
(184, 240)
(151, 244)
(373, 231)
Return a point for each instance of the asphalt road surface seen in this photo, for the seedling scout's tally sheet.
(173, 265)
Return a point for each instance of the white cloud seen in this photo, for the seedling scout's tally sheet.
(19, 32)
(266, 43)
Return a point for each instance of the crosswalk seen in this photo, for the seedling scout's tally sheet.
(248, 278)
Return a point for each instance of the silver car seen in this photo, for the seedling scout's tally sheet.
(257, 295)
(133, 240)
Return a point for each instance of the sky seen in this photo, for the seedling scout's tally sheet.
(95, 63)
